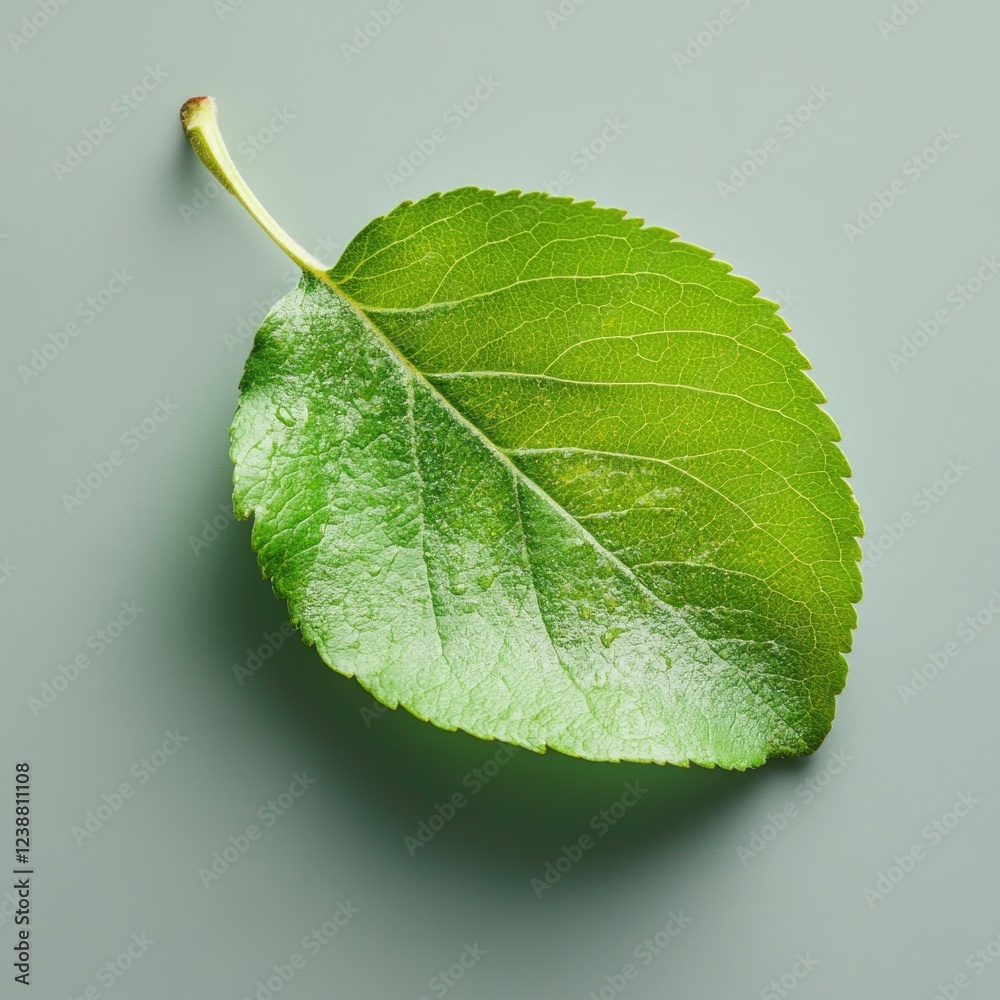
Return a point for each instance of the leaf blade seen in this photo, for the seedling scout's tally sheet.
(713, 663)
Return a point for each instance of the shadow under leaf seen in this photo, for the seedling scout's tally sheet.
(518, 809)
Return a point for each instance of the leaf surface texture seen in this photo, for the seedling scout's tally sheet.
(536, 471)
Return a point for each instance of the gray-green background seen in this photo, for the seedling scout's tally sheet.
(328, 124)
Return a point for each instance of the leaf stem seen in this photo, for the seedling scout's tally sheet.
(201, 126)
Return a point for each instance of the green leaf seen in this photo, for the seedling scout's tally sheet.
(533, 470)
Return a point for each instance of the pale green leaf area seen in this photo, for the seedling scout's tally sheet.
(531, 469)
